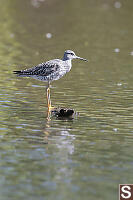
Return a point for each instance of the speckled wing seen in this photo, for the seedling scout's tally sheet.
(44, 71)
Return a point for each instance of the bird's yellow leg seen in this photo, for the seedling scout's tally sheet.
(49, 100)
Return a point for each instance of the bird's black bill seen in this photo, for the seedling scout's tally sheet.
(82, 59)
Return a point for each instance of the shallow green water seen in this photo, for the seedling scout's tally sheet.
(85, 158)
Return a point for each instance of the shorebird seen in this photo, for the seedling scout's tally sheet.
(50, 71)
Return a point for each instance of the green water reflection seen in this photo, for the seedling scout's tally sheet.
(86, 157)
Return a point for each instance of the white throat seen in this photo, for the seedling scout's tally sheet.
(68, 64)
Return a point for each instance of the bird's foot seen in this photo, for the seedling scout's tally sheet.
(51, 108)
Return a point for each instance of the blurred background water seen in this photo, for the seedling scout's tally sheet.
(86, 157)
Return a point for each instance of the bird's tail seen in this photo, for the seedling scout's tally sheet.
(17, 72)
(20, 73)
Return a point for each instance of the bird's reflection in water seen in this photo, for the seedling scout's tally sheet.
(59, 136)
(60, 147)
(48, 116)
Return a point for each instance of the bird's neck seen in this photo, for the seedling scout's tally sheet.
(67, 61)
(68, 64)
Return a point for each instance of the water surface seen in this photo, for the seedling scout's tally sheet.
(86, 157)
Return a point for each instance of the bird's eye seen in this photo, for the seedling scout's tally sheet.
(72, 54)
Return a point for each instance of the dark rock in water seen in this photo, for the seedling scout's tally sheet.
(63, 112)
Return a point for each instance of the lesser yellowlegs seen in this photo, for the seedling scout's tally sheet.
(50, 70)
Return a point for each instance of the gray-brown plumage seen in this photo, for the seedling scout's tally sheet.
(51, 70)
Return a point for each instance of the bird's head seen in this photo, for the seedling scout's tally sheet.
(69, 55)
